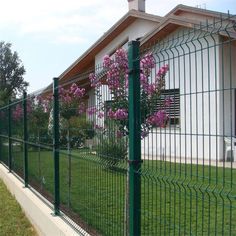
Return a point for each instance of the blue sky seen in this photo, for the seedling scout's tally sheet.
(49, 35)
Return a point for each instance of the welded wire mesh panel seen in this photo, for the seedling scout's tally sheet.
(188, 148)
(92, 157)
(17, 129)
(188, 137)
(39, 144)
(4, 142)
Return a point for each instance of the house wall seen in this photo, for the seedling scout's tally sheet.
(203, 72)
(227, 81)
(196, 16)
(195, 61)
(137, 29)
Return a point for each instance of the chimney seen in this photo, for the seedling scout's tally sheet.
(138, 5)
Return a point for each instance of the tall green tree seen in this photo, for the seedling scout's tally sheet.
(11, 73)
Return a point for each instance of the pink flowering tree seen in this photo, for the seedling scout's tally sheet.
(73, 123)
(72, 104)
(71, 101)
(37, 115)
(116, 79)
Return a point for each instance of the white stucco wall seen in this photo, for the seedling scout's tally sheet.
(206, 103)
(136, 30)
(197, 67)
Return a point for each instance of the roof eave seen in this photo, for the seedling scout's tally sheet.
(129, 17)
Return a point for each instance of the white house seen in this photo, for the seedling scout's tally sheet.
(202, 69)
(200, 47)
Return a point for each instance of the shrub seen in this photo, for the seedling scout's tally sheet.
(112, 149)
(80, 130)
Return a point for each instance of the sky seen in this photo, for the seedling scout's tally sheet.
(49, 35)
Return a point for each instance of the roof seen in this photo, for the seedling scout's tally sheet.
(181, 15)
(88, 58)
(176, 18)
(179, 9)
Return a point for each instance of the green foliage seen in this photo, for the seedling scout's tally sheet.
(11, 73)
(81, 124)
(112, 149)
(68, 110)
(80, 129)
(38, 120)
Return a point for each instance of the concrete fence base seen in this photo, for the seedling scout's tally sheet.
(38, 213)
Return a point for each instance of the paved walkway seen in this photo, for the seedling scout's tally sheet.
(183, 160)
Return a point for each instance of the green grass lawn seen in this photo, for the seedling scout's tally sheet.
(176, 199)
(12, 219)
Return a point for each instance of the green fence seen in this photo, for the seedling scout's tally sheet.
(144, 144)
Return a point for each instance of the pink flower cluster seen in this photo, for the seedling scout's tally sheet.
(168, 101)
(147, 63)
(116, 68)
(94, 82)
(91, 111)
(162, 71)
(107, 61)
(116, 78)
(43, 103)
(72, 99)
(121, 58)
(158, 119)
(74, 92)
(146, 66)
(17, 113)
(113, 77)
(119, 114)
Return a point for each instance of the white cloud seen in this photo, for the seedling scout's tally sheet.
(59, 19)
(50, 34)
(73, 21)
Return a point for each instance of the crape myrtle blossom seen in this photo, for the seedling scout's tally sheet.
(17, 113)
(107, 61)
(73, 93)
(116, 80)
(168, 101)
(71, 101)
(158, 119)
(44, 102)
(94, 82)
(37, 106)
(91, 111)
(147, 63)
(119, 114)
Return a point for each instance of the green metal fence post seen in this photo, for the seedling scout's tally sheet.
(25, 138)
(134, 202)
(9, 138)
(56, 146)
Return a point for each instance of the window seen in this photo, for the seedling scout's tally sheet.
(174, 109)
